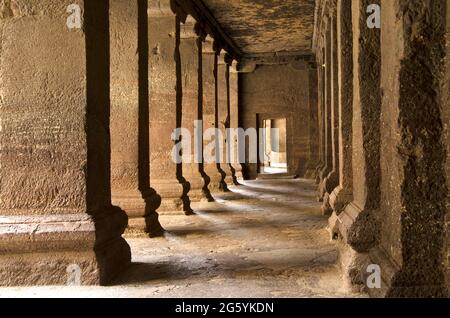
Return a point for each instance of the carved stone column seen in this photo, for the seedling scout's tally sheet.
(230, 139)
(328, 94)
(343, 194)
(234, 117)
(320, 111)
(57, 223)
(209, 116)
(412, 248)
(359, 222)
(446, 120)
(130, 117)
(313, 122)
(222, 118)
(332, 180)
(190, 48)
(166, 175)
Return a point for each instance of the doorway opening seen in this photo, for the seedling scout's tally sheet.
(275, 159)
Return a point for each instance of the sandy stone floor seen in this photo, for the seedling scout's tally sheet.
(264, 239)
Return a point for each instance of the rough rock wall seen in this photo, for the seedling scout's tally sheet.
(446, 116)
(42, 127)
(278, 90)
(124, 96)
(413, 156)
(55, 150)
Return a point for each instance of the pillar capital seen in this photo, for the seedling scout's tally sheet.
(159, 8)
(188, 29)
(178, 11)
(200, 31)
(217, 47)
(246, 66)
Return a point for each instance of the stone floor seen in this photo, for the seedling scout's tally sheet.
(266, 238)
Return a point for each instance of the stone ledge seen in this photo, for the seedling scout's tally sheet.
(37, 250)
(22, 234)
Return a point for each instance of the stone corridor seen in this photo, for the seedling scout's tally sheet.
(266, 238)
(125, 123)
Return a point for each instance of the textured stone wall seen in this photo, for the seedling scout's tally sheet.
(124, 96)
(413, 190)
(55, 151)
(278, 90)
(166, 85)
(446, 117)
(41, 129)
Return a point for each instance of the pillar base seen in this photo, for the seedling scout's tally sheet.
(145, 227)
(331, 182)
(234, 179)
(310, 174)
(141, 211)
(317, 170)
(215, 179)
(402, 282)
(218, 180)
(326, 207)
(359, 228)
(198, 191)
(354, 267)
(51, 249)
(238, 172)
(174, 196)
(340, 198)
(228, 174)
(323, 173)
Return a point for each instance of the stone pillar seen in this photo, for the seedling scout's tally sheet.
(332, 180)
(446, 117)
(223, 118)
(130, 173)
(358, 225)
(190, 48)
(328, 145)
(320, 112)
(209, 114)
(342, 195)
(57, 222)
(234, 117)
(230, 139)
(412, 249)
(313, 122)
(166, 176)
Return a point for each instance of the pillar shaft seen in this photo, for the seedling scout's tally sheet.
(166, 175)
(209, 116)
(234, 118)
(320, 115)
(192, 112)
(223, 117)
(333, 178)
(328, 95)
(129, 117)
(342, 195)
(412, 249)
(313, 123)
(55, 198)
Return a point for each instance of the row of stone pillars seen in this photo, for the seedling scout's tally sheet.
(190, 80)
(381, 170)
(87, 116)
